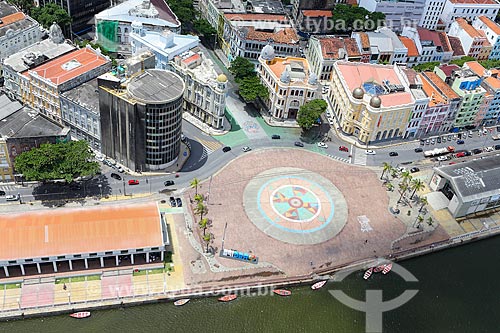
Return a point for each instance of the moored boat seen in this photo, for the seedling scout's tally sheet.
(368, 273)
(227, 298)
(282, 292)
(387, 269)
(181, 302)
(80, 315)
(378, 269)
(318, 285)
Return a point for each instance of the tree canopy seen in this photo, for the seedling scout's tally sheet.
(242, 68)
(67, 160)
(460, 62)
(310, 112)
(347, 18)
(251, 89)
(50, 13)
(24, 5)
(204, 28)
(427, 66)
(190, 18)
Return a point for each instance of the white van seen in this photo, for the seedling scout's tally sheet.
(12, 197)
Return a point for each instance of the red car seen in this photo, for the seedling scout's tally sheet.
(460, 154)
(133, 182)
(344, 148)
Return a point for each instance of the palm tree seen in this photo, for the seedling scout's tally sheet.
(389, 186)
(416, 185)
(194, 184)
(430, 220)
(386, 167)
(201, 210)
(403, 187)
(203, 224)
(424, 202)
(406, 177)
(419, 220)
(208, 239)
(199, 198)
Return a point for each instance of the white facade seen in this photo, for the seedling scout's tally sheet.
(290, 84)
(397, 13)
(205, 93)
(492, 32)
(431, 14)
(468, 10)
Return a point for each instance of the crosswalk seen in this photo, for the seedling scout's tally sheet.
(9, 188)
(208, 146)
(359, 158)
(341, 159)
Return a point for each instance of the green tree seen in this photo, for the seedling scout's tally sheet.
(428, 66)
(310, 112)
(416, 185)
(242, 68)
(403, 187)
(386, 167)
(460, 62)
(406, 176)
(250, 89)
(430, 220)
(201, 210)
(203, 224)
(24, 5)
(204, 28)
(199, 198)
(390, 187)
(424, 202)
(418, 221)
(208, 238)
(50, 13)
(194, 184)
(490, 63)
(347, 18)
(67, 160)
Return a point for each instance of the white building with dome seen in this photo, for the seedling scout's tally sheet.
(370, 102)
(289, 81)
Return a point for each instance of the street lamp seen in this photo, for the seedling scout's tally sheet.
(19, 303)
(20, 199)
(69, 298)
(100, 189)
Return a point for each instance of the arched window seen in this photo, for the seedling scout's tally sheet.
(378, 136)
(390, 134)
(126, 30)
(119, 30)
(383, 135)
(396, 132)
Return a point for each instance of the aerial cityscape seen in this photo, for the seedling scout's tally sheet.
(258, 165)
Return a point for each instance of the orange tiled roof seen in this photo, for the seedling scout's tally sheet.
(54, 71)
(493, 82)
(469, 29)
(483, 34)
(73, 231)
(456, 46)
(279, 65)
(330, 47)
(317, 13)
(256, 17)
(191, 59)
(490, 24)
(479, 2)
(441, 85)
(351, 47)
(410, 45)
(365, 41)
(434, 95)
(445, 42)
(9, 19)
(284, 36)
(476, 67)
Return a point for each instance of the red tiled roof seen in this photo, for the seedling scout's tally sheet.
(410, 45)
(441, 85)
(448, 69)
(469, 29)
(53, 70)
(191, 59)
(431, 92)
(283, 36)
(317, 13)
(426, 34)
(351, 47)
(9, 19)
(164, 11)
(476, 67)
(365, 41)
(493, 82)
(490, 24)
(47, 233)
(456, 46)
(479, 2)
(445, 43)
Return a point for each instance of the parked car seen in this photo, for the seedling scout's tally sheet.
(438, 140)
(370, 152)
(179, 202)
(120, 169)
(477, 151)
(460, 142)
(133, 182)
(275, 137)
(470, 134)
(442, 158)
(433, 141)
(460, 154)
(489, 149)
(246, 148)
(116, 176)
(427, 141)
(418, 150)
(322, 145)
(2, 192)
(393, 153)
(344, 148)
(169, 183)
(172, 202)
(497, 147)
(467, 153)
(226, 149)
(183, 137)
(298, 144)
(414, 169)
(422, 142)
(12, 197)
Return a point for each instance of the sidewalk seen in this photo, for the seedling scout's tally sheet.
(205, 127)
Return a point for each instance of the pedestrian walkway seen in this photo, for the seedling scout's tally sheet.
(341, 159)
(359, 157)
(210, 146)
(9, 188)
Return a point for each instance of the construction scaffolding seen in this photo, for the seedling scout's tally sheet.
(107, 35)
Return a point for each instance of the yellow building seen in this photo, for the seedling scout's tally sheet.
(370, 102)
(6, 170)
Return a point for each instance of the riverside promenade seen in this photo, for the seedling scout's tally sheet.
(304, 215)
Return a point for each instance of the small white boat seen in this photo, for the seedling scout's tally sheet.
(378, 269)
(368, 273)
(318, 285)
(387, 269)
(181, 302)
(80, 315)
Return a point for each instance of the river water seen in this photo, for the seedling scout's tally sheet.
(458, 292)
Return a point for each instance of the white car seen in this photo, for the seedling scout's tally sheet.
(12, 197)
(489, 149)
(370, 152)
(246, 148)
(322, 145)
(442, 158)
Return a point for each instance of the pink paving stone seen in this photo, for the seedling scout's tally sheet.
(37, 295)
(121, 283)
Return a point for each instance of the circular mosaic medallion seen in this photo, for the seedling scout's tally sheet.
(295, 206)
